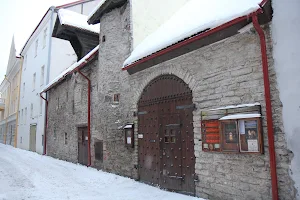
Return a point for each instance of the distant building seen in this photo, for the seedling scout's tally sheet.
(44, 58)
(9, 98)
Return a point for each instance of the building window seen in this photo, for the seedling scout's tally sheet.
(99, 150)
(23, 89)
(36, 47)
(116, 98)
(31, 111)
(25, 115)
(42, 74)
(41, 106)
(21, 140)
(54, 133)
(25, 62)
(42, 140)
(33, 81)
(45, 38)
(66, 138)
(22, 116)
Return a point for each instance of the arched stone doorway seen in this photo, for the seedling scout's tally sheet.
(166, 138)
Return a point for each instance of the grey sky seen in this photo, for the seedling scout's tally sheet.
(19, 18)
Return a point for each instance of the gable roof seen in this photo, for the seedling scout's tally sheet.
(73, 3)
(52, 8)
(76, 66)
(103, 7)
(196, 16)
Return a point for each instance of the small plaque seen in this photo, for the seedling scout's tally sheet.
(128, 140)
(252, 145)
(140, 136)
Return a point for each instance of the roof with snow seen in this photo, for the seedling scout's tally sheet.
(76, 66)
(70, 18)
(103, 7)
(195, 17)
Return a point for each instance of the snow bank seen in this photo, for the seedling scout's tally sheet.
(28, 175)
(70, 18)
(194, 17)
(285, 34)
(71, 68)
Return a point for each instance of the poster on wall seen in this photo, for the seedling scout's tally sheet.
(249, 136)
(230, 137)
(210, 135)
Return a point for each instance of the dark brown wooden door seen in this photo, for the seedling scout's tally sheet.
(83, 146)
(166, 139)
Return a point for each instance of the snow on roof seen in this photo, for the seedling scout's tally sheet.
(95, 9)
(240, 116)
(195, 16)
(237, 106)
(62, 75)
(70, 18)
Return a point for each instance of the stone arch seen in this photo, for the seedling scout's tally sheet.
(180, 73)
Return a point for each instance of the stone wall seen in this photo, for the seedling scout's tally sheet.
(228, 73)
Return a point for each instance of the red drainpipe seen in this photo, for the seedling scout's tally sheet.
(46, 125)
(263, 47)
(89, 116)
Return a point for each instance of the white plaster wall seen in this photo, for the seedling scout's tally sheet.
(76, 8)
(62, 57)
(285, 33)
(148, 15)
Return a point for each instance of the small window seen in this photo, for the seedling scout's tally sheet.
(25, 115)
(41, 106)
(66, 138)
(116, 98)
(36, 47)
(42, 75)
(33, 81)
(23, 89)
(45, 38)
(31, 111)
(21, 141)
(42, 140)
(22, 116)
(54, 132)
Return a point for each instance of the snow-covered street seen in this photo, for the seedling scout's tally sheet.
(27, 175)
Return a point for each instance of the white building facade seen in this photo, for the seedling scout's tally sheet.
(44, 58)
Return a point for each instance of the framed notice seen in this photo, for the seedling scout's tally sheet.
(250, 135)
(210, 135)
(229, 136)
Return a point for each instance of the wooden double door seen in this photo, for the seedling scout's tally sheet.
(166, 138)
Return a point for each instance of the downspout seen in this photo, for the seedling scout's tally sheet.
(19, 97)
(89, 116)
(268, 106)
(46, 124)
(47, 78)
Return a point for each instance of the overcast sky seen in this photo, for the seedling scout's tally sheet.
(19, 18)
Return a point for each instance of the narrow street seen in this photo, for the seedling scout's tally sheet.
(27, 175)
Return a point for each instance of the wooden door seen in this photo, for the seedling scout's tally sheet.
(166, 139)
(32, 141)
(83, 145)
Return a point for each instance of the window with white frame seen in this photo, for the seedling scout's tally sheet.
(42, 74)
(22, 116)
(25, 115)
(45, 38)
(23, 89)
(41, 106)
(33, 81)
(36, 47)
(31, 111)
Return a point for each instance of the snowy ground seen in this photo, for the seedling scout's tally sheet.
(27, 175)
